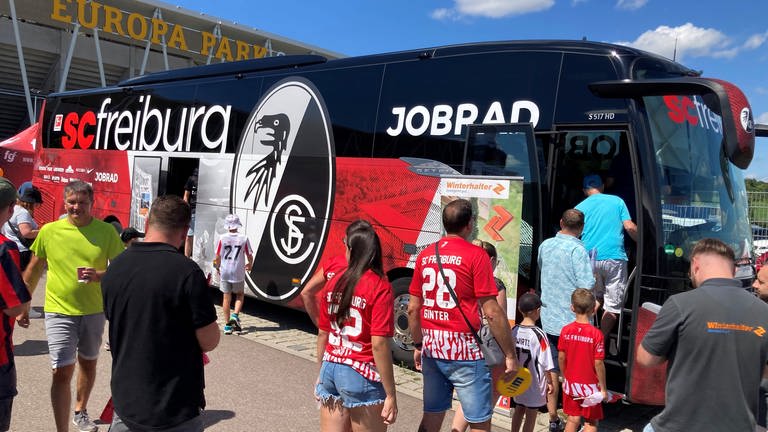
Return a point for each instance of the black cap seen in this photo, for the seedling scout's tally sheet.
(528, 302)
(130, 233)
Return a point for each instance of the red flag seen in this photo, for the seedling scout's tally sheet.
(106, 414)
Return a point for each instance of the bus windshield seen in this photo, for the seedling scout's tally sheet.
(702, 192)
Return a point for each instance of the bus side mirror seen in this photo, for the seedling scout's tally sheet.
(728, 100)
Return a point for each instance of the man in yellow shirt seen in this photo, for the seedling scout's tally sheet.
(77, 250)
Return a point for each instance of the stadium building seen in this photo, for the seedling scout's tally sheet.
(51, 46)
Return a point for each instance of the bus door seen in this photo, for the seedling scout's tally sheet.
(605, 152)
(510, 150)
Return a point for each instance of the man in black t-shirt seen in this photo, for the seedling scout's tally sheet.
(716, 340)
(161, 321)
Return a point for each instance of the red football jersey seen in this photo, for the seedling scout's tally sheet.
(582, 345)
(333, 266)
(468, 271)
(13, 292)
(370, 314)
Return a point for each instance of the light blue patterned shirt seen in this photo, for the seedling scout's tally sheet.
(564, 266)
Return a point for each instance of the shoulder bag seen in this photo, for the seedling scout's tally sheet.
(23, 240)
(488, 345)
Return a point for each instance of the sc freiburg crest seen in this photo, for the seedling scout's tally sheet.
(283, 186)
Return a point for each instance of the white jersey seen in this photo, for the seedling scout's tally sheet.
(533, 353)
(232, 248)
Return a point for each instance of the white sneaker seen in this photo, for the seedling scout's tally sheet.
(83, 422)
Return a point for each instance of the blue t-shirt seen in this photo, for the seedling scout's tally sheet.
(604, 217)
(565, 266)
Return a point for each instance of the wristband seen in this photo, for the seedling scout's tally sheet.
(417, 345)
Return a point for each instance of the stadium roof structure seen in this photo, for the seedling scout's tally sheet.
(50, 46)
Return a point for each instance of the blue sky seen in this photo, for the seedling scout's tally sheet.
(724, 39)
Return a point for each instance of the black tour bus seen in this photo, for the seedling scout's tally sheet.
(299, 146)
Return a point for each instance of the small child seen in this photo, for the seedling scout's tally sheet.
(532, 353)
(230, 262)
(581, 363)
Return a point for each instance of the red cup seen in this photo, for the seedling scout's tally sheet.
(81, 275)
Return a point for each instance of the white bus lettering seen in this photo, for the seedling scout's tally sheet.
(529, 106)
(441, 120)
(409, 126)
(123, 127)
(145, 128)
(444, 118)
(399, 113)
(155, 114)
(466, 114)
(494, 115)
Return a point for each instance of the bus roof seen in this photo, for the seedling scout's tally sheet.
(301, 61)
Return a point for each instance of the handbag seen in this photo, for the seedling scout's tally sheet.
(492, 352)
(23, 240)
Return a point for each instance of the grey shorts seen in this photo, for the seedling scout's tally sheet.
(232, 287)
(611, 282)
(193, 425)
(72, 336)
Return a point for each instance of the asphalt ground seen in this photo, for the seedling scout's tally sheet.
(258, 381)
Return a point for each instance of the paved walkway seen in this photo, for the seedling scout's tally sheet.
(302, 344)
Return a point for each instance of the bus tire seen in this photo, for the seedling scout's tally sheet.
(402, 350)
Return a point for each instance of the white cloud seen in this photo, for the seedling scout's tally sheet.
(756, 41)
(491, 8)
(762, 118)
(691, 41)
(443, 14)
(630, 4)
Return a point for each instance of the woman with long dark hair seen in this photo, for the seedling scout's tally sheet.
(356, 314)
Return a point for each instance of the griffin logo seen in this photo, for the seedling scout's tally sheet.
(746, 120)
(272, 131)
(282, 186)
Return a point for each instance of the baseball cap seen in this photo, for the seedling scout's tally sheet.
(592, 181)
(30, 194)
(528, 302)
(130, 233)
(7, 192)
(232, 222)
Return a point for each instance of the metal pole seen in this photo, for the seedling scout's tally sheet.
(68, 61)
(22, 65)
(98, 56)
(146, 48)
(159, 14)
(217, 33)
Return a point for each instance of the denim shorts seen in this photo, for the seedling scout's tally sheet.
(340, 384)
(470, 378)
(72, 336)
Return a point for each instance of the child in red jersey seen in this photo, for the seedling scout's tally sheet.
(581, 356)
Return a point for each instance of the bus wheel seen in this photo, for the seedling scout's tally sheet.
(402, 350)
